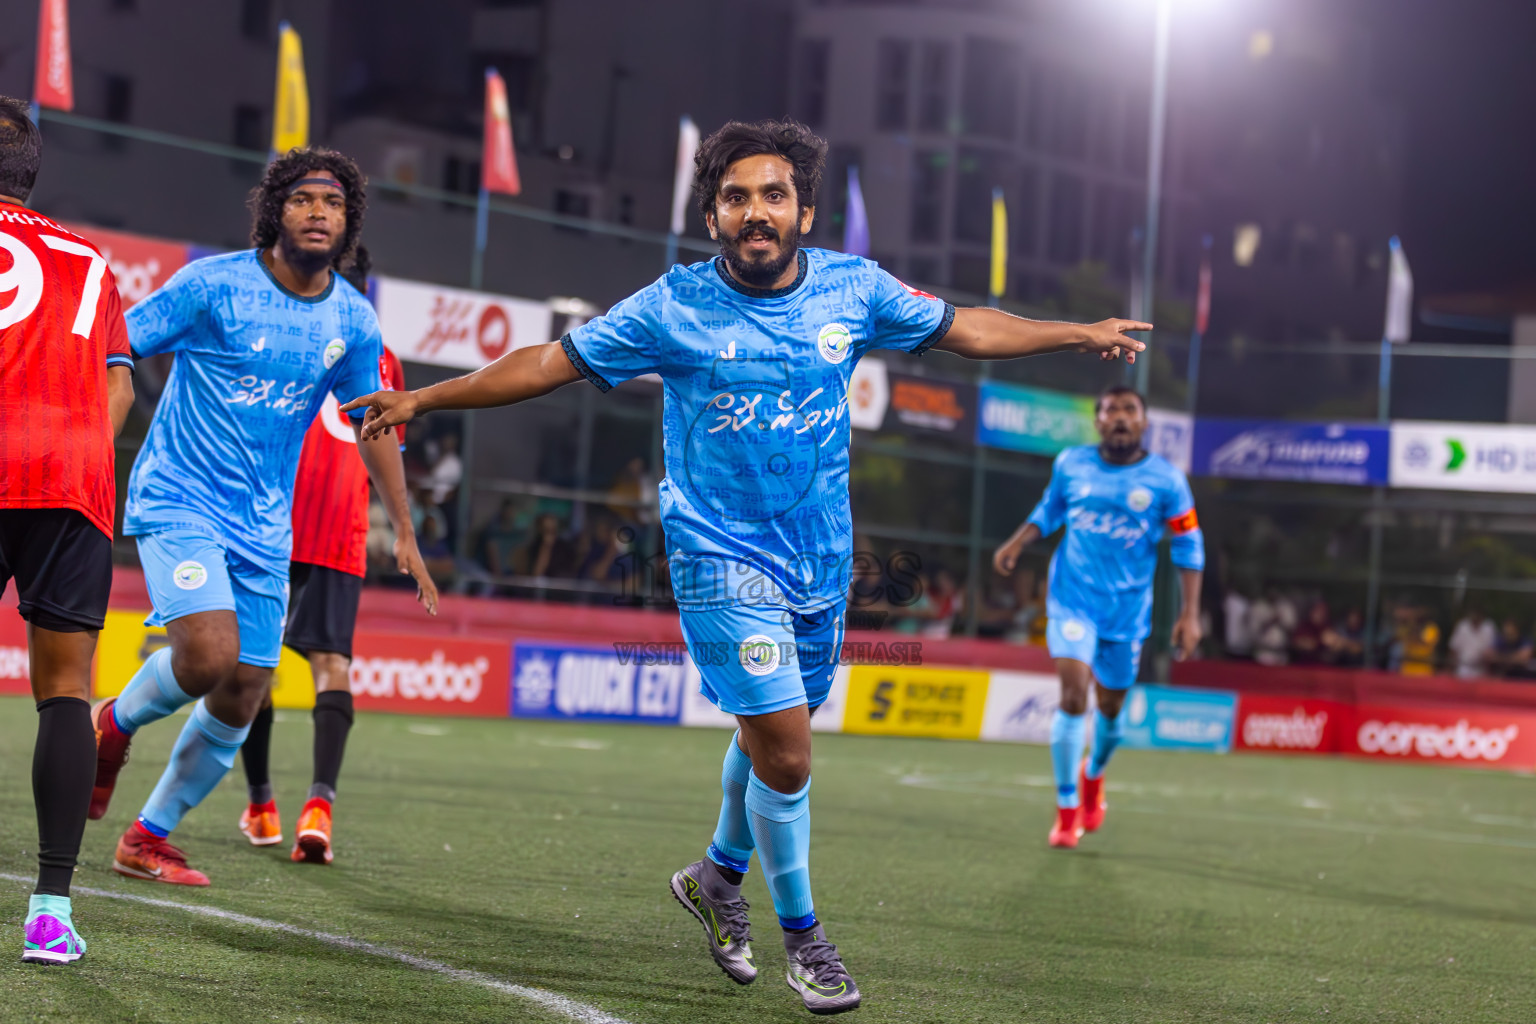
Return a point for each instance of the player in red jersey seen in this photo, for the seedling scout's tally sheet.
(326, 570)
(66, 384)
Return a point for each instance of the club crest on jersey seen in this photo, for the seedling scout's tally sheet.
(189, 575)
(834, 342)
(334, 350)
(759, 654)
(1140, 499)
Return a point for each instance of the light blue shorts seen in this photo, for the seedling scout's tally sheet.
(758, 659)
(1114, 662)
(187, 571)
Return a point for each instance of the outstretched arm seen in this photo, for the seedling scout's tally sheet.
(983, 333)
(516, 377)
(386, 469)
(1006, 557)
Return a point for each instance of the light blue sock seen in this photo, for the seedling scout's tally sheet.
(150, 695)
(1106, 737)
(203, 754)
(1067, 732)
(781, 825)
(733, 844)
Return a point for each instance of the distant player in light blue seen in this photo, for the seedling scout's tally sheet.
(1116, 502)
(260, 338)
(756, 350)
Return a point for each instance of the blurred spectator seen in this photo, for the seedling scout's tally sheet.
(1237, 637)
(1472, 644)
(632, 493)
(547, 553)
(500, 539)
(1307, 639)
(1512, 652)
(601, 548)
(1271, 619)
(945, 602)
(1344, 642)
(440, 487)
(435, 553)
(1418, 638)
(1028, 625)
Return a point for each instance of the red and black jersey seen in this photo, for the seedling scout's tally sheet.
(330, 493)
(61, 326)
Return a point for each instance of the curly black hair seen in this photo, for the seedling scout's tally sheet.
(736, 140)
(21, 149)
(267, 199)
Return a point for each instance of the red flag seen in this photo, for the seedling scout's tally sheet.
(54, 85)
(498, 164)
(1203, 295)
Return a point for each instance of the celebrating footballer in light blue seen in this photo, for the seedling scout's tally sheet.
(260, 338)
(755, 350)
(1116, 502)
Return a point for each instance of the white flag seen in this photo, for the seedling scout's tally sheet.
(682, 184)
(1399, 295)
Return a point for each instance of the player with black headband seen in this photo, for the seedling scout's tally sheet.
(261, 337)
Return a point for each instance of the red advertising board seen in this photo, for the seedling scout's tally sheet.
(430, 675)
(14, 678)
(1291, 725)
(140, 263)
(1485, 737)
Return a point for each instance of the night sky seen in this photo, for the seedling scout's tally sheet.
(1464, 74)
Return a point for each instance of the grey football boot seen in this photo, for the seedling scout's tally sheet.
(726, 927)
(818, 974)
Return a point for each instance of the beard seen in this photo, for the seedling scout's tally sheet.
(760, 271)
(309, 261)
(1122, 444)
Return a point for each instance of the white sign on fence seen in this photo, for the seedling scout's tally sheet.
(455, 327)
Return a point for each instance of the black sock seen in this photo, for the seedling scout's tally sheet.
(333, 720)
(63, 772)
(257, 756)
(729, 874)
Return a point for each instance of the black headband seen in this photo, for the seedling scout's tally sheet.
(317, 181)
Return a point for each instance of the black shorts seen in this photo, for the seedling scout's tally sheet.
(62, 565)
(322, 609)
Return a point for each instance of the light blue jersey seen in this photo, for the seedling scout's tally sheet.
(755, 416)
(254, 362)
(1101, 573)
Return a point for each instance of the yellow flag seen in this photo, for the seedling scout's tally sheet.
(999, 244)
(290, 110)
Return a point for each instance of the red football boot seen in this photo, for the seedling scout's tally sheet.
(142, 854)
(1066, 832)
(111, 755)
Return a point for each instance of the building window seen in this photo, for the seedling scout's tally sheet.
(460, 175)
(893, 73)
(124, 6)
(815, 67)
(979, 171)
(933, 100)
(923, 270)
(1023, 213)
(117, 102)
(989, 95)
(928, 170)
(1065, 243)
(248, 125)
(1069, 113)
(256, 20)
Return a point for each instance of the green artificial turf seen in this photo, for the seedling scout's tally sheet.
(1221, 889)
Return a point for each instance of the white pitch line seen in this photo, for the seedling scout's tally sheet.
(552, 1001)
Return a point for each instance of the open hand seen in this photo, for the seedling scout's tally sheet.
(1107, 338)
(408, 559)
(385, 409)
